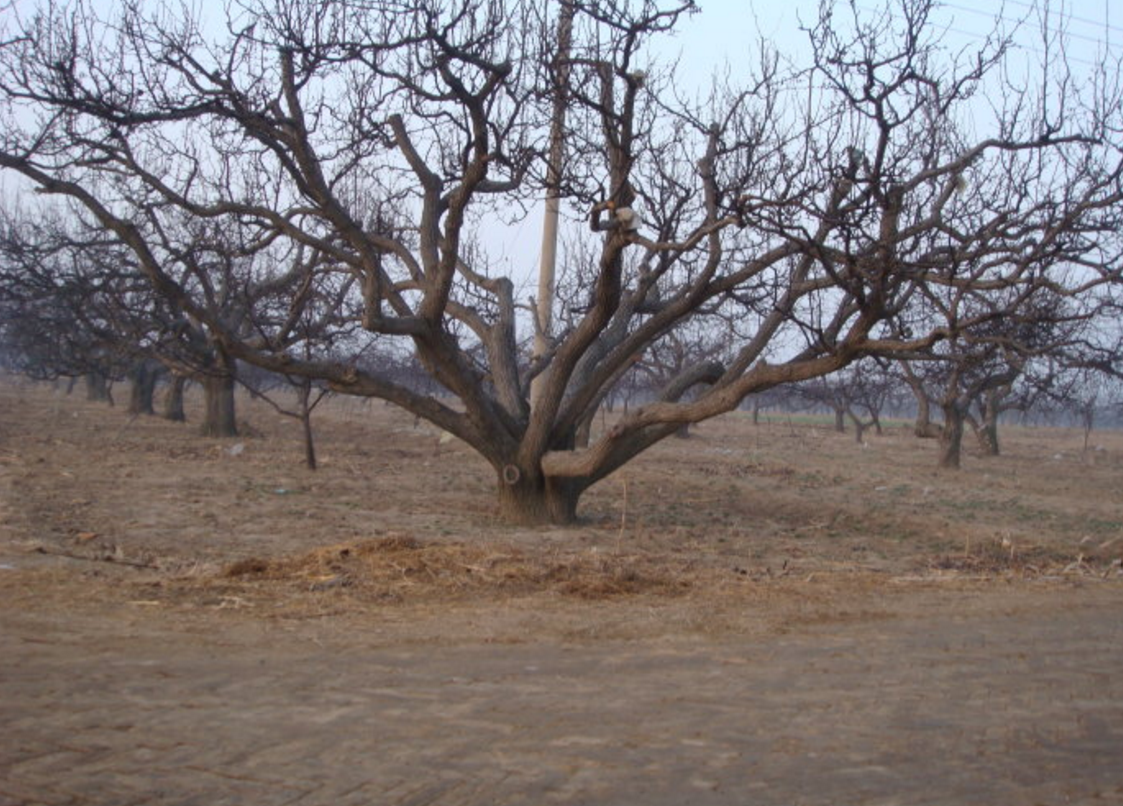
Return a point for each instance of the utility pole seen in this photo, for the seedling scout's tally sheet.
(548, 262)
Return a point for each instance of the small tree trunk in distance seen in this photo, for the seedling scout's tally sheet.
(173, 399)
(988, 438)
(304, 391)
(989, 434)
(840, 420)
(97, 388)
(859, 428)
(924, 428)
(1087, 418)
(143, 377)
(951, 437)
(219, 420)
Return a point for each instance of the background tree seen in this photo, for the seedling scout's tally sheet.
(55, 315)
(859, 393)
(1001, 363)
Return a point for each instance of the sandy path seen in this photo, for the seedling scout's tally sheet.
(1020, 702)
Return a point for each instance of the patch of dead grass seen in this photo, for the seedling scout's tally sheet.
(405, 566)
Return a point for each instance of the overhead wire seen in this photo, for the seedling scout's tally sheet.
(1108, 46)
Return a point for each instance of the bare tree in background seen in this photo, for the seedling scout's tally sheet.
(53, 314)
(859, 393)
(1006, 363)
(810, 208)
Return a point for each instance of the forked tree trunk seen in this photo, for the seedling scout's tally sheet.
(173, 399)
(533, 502)
(219, 420)
(951, 437)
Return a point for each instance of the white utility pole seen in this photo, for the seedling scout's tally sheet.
(548, 264)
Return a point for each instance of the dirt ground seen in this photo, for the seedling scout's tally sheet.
(760, 614)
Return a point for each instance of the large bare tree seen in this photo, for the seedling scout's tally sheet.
(391, 140)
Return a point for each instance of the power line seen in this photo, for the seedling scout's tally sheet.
(1069, 34)
(1028, 48)
(1107, 46)
(1037, 7)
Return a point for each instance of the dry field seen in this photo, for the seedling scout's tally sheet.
(743, 528)
(760, 614)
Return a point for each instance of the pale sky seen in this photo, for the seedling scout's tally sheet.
(725, 30)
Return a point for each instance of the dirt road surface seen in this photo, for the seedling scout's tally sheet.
(1015, 700)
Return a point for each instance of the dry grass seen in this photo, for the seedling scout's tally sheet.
(397, 566)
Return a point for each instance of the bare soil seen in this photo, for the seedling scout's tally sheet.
(136, 543)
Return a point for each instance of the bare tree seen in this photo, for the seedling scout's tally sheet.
(1006, 363)
(810, 208)
(102, 305)
(859, 393)
(52, 314)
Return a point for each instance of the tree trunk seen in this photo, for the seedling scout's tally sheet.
(173, 399)
(143, 378)
(859, 428)
(531, 502)
(988, 433)
(840, 420)
(304, 391)
(924, 428)
(97, 388)
(951, 437)
(585, 430)
(219, 393)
